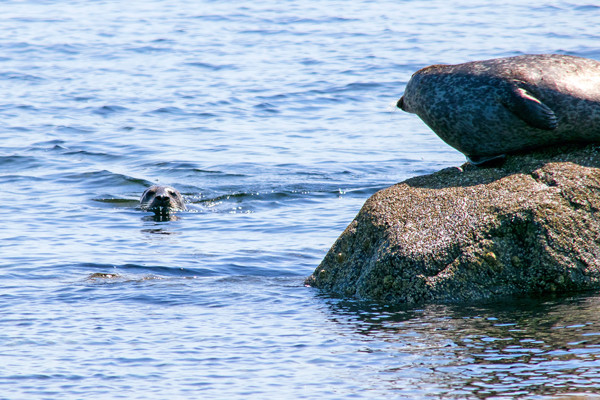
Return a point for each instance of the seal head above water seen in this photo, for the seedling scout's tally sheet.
(489, 108)
(162, 200)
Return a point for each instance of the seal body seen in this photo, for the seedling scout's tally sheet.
(490, 108)
(162, 200)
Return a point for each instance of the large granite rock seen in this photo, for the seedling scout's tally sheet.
(529, 226)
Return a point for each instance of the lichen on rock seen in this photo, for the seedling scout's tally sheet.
(531, 225)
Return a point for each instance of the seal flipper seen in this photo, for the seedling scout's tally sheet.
(528, 108)
(490, 161)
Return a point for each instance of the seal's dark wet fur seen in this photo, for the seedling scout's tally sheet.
(507, 105)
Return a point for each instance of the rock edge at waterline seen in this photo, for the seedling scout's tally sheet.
(529, 226)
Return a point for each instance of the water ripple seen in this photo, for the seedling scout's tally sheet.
(19, 76)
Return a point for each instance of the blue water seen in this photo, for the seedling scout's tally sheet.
(275, 119)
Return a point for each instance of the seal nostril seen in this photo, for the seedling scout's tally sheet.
(162, 199)
(400, 103)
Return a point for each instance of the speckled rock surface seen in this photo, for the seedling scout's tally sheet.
(529, 226)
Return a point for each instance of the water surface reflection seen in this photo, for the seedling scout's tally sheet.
(516, 348)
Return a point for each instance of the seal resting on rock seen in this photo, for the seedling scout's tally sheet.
(162, 200)
(486, 109)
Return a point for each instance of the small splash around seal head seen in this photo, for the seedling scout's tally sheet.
(162, 200)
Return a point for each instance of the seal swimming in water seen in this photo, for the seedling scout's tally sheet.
(162, 200)
(486, 109)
